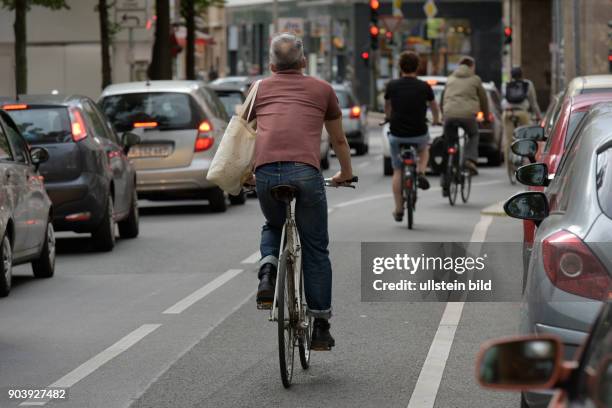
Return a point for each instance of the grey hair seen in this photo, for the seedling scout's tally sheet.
(286, 51)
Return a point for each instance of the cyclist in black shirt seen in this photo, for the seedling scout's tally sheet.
(406, 102)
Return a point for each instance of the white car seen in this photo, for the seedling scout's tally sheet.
(437, 84)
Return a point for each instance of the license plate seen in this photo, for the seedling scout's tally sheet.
(150, 150)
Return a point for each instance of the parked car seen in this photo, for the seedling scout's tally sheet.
(26, 223)
(491, 134)
(570, 267)
(88, 175)
(537, 363)
(242, 82)
(180, 124)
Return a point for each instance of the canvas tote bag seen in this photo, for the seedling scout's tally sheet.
(233, 161)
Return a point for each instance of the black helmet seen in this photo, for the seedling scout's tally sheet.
(516, 73)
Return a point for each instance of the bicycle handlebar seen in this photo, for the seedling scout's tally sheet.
(330, 183)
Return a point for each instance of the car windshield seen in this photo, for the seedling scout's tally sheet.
(43, 125)
(170, 110)
(230, 100)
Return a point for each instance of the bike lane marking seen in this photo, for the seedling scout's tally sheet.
(427, 385)
(253, 258)
(205, 290)
(97, 361)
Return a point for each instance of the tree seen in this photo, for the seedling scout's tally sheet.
(105, 38)
(189, 9)
(161, 60)
(21, 8)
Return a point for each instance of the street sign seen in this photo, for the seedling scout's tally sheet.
(131, 18)
(391, 23)
(430, 9)
(397, 8)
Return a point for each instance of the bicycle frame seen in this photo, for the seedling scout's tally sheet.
(290, 239)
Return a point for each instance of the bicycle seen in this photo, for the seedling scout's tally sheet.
(513, 161)
(410, 159)
(289, 307)
(456, 172)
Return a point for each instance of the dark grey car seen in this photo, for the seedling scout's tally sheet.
(26, 229)
(88, 176)
(570, 269)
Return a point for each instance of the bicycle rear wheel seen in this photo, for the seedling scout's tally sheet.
(466, 186)
(452, 175)
(306, 331)
(409, 207)
(286, 333)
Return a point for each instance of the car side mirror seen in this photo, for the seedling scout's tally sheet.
(129, 139)
(39, 155)
(520, 364)
(530, 132)
(535, 174)
(525, 148)
(529, 205)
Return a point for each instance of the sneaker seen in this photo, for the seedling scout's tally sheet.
(321, 340)
(422, 182)
(472, 167)
(398, 216)
(265, 290)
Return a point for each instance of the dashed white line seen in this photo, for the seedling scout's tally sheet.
(205, 290)
(98, 360)
(251, 259)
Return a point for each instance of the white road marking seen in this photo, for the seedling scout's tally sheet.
(98, 361)
(363, 165)
(428, 383)
(253, 258)
(204, 291)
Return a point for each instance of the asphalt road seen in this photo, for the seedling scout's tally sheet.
(169, 319)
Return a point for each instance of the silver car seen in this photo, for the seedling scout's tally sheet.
(570, 269)
(354, 119)
(180, 124)
(26, 228)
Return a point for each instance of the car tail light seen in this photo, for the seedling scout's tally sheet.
(15, 106)
(572, 267)
(452, 150)
(480, 116)
(79, 131)
(408, 162)
(145, 124)
(432, 82)
(204, 140)
(491, 117)
(355, 112)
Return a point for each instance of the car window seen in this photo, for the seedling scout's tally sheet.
(344, 99)
(213, 103)
(98, 121)
(594, 380)
(230, 100)
(44, 124)
(171, 110)
(574, 121)
(5, 150)
(604, 181)
(561, 186)
(18, 144)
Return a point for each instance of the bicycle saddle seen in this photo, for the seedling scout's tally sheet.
(284, 192)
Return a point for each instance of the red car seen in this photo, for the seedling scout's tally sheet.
(550, 152)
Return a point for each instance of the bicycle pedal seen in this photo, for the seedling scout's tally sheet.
(320, 348)
(264, 305)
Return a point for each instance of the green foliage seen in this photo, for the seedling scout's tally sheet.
(201, 5)
(52, 4)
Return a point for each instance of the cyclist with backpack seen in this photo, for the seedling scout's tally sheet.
(519, 104)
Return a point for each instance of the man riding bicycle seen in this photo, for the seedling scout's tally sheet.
(406, 101)
(291, 110)
(519, 103)
(462, 99)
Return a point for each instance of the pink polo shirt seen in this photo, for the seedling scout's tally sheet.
(291, 109)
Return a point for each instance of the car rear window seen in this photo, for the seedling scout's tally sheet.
(171, 111)
(344, 99)
(44, 124)
(230, 100)
(604, 181)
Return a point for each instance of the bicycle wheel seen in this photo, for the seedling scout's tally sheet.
(452, 177)
(409, 207)
(306, 331)
(286, 332)
(466, 186)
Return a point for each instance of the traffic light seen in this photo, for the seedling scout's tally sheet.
(507, 35)
(389, 37)
(365, 57)
(374, 30)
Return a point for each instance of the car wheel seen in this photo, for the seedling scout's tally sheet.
(129, 228)
(104, 236)
(325, 161)
(44, 266)
(6, 263)
(239, 199)
(387, 168)
(216, 200)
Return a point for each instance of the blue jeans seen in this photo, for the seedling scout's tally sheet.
(311, 219)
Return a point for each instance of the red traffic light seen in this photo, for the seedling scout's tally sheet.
(374, 4)
(365, 55)
(374, 31)
(507, 31)
(389, 35)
